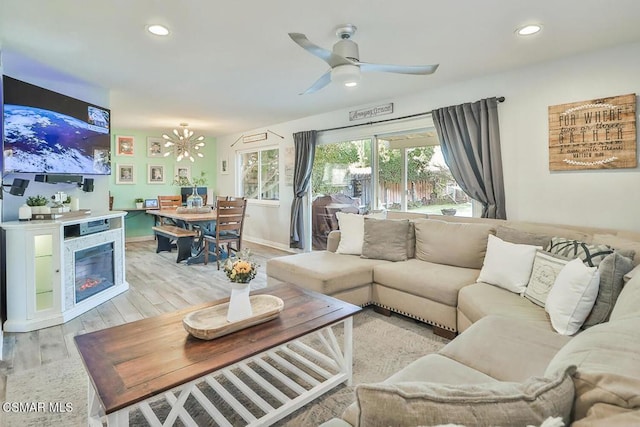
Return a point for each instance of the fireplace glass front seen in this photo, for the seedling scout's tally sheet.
(94, 271)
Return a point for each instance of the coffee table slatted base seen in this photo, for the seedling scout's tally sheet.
(306, 372)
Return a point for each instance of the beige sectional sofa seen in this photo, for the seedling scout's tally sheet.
(506, 339)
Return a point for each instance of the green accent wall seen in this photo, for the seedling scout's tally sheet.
(137, 223)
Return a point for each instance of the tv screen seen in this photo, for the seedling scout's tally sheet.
(47, 132)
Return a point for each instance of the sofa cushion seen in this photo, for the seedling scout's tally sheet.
(481, 299)
(607, 357)
(572, 296)
(513, 235)
(437, 282)
(434, 368)
(507, 265)
(496, 403)
(546, 268)
(458, 244)
(323, 271)
(628, 301)
(510, 349)
(590, 254)
(386, 239)
(612, 270)
(604, 415)
(620, 243)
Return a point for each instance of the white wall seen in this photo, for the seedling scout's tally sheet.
(31, 71)
(602, 198)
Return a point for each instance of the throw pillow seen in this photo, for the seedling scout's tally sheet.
(385, 239)
(351, 233)
(572, 296)
(590, 254)
(452, 243)
(496, 404)
(507, 265)
(612, 271)
(546, 268)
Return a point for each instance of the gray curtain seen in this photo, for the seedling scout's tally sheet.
(305, 149)
(470, 142)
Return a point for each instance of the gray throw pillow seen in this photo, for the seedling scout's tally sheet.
(386, 239)
(612, 270)
(496, 404)
(590, 254)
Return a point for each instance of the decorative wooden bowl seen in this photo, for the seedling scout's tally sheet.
(211, 322)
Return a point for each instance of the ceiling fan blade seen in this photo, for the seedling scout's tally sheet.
(326, 55)
(402, 69)
(319, 84)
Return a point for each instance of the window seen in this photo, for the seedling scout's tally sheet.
(412, 176)
(259, 174)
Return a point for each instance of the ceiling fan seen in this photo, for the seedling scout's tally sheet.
(345, 60)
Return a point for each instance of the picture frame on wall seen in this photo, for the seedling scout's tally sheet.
(155, 174)
(125, 145)
(224, 165)
(155, 147)
(183, 175)
(125, 174)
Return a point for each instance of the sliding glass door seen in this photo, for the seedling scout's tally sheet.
(412, 176)
(340, 182)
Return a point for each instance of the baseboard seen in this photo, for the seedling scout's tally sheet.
(270, 244)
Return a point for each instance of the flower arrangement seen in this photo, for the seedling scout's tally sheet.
(241, 269)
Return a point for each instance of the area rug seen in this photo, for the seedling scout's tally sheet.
(382, 346)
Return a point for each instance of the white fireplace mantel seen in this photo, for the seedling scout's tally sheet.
(41, 267)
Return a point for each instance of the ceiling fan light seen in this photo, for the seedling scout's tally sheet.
(158, 30)
(348, 75)
(528, 30)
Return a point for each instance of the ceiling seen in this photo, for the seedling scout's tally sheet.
(228, 67)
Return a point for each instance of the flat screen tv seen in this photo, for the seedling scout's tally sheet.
(47, 132)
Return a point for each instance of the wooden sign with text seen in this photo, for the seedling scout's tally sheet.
(595, 134)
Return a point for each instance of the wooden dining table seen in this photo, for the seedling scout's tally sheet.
(200, 222)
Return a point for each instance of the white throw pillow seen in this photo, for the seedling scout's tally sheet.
(572, 296)
(507, 265)
(352, 231)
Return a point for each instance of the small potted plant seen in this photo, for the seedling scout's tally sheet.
(139, 201)
(38, 204)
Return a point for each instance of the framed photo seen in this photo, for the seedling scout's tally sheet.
(125, 174)
(151, 203)
(155, 174)
(155, 147)
(124, 145)
(224, 165)
(183, 175)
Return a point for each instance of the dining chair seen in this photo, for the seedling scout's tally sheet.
(168, 202)
(229, 224)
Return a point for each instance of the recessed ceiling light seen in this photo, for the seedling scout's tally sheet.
(528, 30)
(158, 30)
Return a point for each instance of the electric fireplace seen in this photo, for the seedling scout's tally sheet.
(94, 271)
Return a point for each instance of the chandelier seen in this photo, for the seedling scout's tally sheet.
(184, 144)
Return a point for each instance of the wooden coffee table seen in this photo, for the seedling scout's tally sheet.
(155, 358)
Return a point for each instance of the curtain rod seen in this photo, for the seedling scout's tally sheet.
(499, 99)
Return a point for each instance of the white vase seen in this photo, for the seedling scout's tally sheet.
(24, 213)
(239, 304)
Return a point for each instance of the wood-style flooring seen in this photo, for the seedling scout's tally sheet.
(157, 284)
